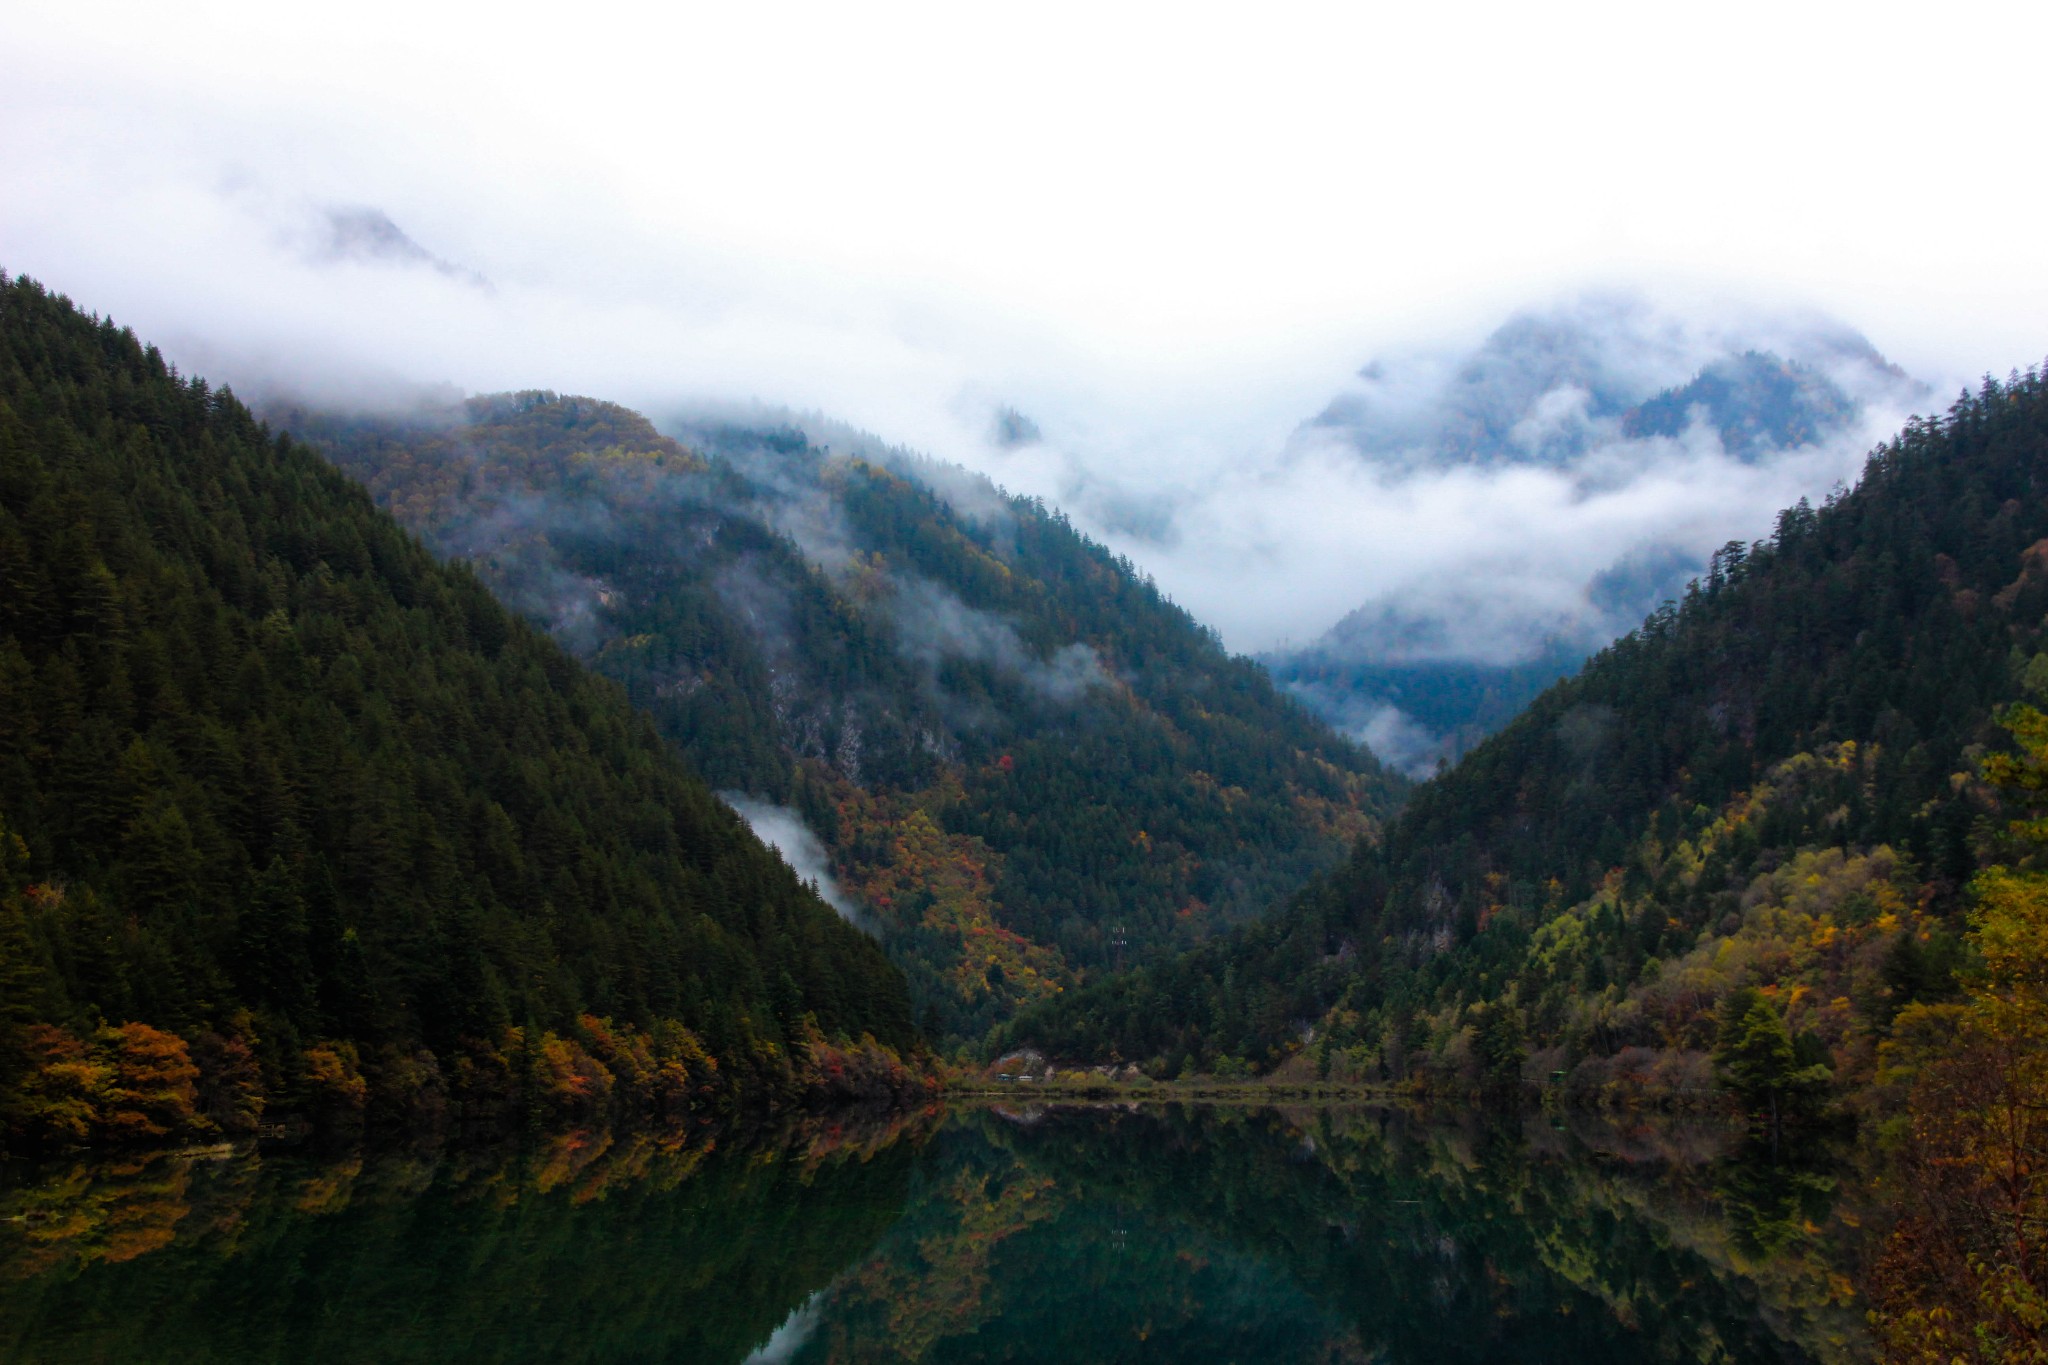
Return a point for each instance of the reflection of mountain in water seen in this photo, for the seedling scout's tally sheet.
(1232, 1235)
(1097, 1235)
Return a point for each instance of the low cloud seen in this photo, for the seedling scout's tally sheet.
(933, 625)
(783, 830)
(508, 531)
(213, 229)
(1500, 501)
(794, 1333)
(1397, 738)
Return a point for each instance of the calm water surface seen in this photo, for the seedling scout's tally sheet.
(1068, 1235)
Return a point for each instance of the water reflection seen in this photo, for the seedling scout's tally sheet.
(1066, 1234)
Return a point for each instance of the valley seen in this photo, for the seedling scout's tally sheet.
(514, 765)
(1025, 765)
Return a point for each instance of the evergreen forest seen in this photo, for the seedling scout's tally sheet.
(298, 823)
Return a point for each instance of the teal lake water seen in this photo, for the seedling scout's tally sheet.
(1067, 1235)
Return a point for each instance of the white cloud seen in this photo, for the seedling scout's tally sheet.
(796, 1330)
(784, 830)
(1484, 547)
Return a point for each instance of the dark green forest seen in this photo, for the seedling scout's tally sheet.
(1821, 695)
(1026, 762)
(292, 814)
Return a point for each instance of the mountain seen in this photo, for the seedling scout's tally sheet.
(1755, 403)
(1552, 386)
(1018, 760)
(367, 236)
(1617, 400)
(1772, 785)
(296, 817)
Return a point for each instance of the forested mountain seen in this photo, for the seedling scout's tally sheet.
(1025, 764)
(1602, 394)
(290, 814)
(1773, 784)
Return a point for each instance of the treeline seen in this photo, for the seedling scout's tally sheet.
(290, 804)
(1024, 760)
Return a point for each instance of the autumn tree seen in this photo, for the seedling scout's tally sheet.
(1965, 1275)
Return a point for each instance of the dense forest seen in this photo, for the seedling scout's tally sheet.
(1025, 763)
(295, 819)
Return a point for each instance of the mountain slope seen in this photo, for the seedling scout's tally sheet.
(275, 782)
(1022, 760)
(1772, 783)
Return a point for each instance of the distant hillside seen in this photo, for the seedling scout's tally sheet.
(1416, 716)
(1756, 402)
(1021, 760)
(293, 817)
(1774, 784)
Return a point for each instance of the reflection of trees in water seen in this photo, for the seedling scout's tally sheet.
(1101, 1235)
(590, 1246)
(1571, 1238)
(1773, 1195)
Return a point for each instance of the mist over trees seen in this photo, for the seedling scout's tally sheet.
(1026, 764)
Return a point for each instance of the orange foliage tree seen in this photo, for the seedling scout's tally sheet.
(1964, 1276)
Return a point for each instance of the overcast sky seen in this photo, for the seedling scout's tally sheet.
(1169, 233)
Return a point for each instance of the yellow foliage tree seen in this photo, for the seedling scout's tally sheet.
(1963, 1277)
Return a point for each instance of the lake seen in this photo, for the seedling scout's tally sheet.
(980, 1234)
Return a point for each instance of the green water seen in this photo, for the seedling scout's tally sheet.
(1207, 1235)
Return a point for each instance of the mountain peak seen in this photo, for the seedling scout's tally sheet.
(1550, 386)
(367, 235)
